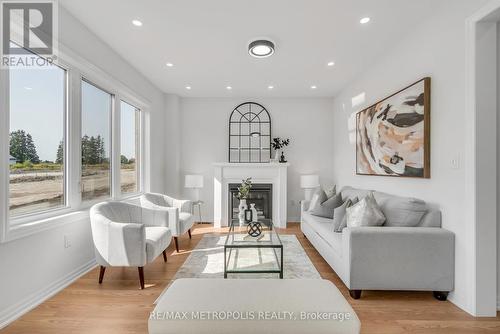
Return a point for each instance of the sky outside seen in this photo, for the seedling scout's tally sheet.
(37, 107)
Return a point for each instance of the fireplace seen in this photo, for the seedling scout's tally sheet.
(261, 194)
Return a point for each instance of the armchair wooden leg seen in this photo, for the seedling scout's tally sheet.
(189, 232)
(165, 255)
(176, 244)
(101, 273)
(141, 276)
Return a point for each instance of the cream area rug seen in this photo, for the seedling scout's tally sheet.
(207, 260)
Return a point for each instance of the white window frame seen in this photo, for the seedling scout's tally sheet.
(76, 68)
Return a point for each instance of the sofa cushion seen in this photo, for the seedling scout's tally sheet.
(323, 227)
(324, 207)
(365, 213)
(343, 220)
(401, 211)
(339, 215)
(157, 240)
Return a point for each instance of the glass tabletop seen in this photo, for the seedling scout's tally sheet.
(238, 236)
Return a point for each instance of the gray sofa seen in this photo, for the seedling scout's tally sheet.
(410, 252)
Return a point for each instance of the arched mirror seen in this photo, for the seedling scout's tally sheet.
(250, 133)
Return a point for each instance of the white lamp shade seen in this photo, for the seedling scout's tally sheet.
(193, 181)
(309, 181)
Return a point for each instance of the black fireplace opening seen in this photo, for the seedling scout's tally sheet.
(261, 194)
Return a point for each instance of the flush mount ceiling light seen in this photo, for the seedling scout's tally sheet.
(229, 87)
(314, 87)
(270, 87)
(137, 23)
(170, 65)
(364, 20)
(261, 48)
(188, 87)
(331, 63)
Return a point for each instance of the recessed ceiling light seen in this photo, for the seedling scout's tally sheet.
(170, 65)
(314, 87)
(229, 87)
(331, 63)
(261, 48)
(364, 20)
(137, 23)
(188, 87)
(270, 87)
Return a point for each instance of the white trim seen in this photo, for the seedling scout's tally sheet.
(4, 154)
(16, 311)
(471, 195)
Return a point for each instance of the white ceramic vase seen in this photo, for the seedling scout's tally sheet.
(255, 218)
(241, 214)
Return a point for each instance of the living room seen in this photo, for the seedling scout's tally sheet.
(173, 161)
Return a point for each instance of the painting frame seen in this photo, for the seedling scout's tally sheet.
(426, 131)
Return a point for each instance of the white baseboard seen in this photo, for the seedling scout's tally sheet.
(17, 310)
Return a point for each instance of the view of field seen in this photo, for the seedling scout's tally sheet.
(33, 189)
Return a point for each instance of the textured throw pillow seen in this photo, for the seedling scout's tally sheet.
(315, 197)
(339, 215)
(365, 213)
(332, 191)
(325, 206)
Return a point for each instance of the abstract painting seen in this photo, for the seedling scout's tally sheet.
(393, 135)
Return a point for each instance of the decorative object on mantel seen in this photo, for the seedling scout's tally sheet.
(393, 135)
(309, 183)
(243, 192)
(278, 144)
(248, 216)
(250, 134)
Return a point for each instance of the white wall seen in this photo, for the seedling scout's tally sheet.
(307, 122)
(32, 267)
(437, 49)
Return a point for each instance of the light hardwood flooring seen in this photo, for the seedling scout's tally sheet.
(119, 306)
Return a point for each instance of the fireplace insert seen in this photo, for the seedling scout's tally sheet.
(261, 194)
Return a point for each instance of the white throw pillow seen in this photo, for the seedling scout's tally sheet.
(365, 213)
(315, 198)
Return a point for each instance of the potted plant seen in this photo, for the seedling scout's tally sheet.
(243, 192)
(278, 144)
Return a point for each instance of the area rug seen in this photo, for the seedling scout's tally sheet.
(207, 260)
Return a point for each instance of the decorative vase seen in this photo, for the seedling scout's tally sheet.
(242, 207)
(255, 218)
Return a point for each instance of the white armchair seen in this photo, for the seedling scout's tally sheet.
(179, 213)
(128, 235)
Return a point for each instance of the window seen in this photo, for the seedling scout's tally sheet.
(37, 99)
(96, 142)
(130, 144)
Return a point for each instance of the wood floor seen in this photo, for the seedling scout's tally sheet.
(119, 306)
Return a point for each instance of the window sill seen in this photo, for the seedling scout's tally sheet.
(38, 225)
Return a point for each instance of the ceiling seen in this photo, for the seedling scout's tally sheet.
(207, 40)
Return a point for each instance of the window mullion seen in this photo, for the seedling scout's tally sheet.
(116, 147)
(73, 154)
(4, 154)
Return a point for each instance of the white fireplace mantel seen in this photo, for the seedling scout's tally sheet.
(226, 173)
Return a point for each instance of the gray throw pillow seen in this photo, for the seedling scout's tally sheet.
(365, 213)
(315, 197)
(332, 191)
(324, 207)
(339, 215)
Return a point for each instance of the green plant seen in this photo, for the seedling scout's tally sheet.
(244, 189)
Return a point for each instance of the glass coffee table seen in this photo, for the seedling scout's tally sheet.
(244, 254)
